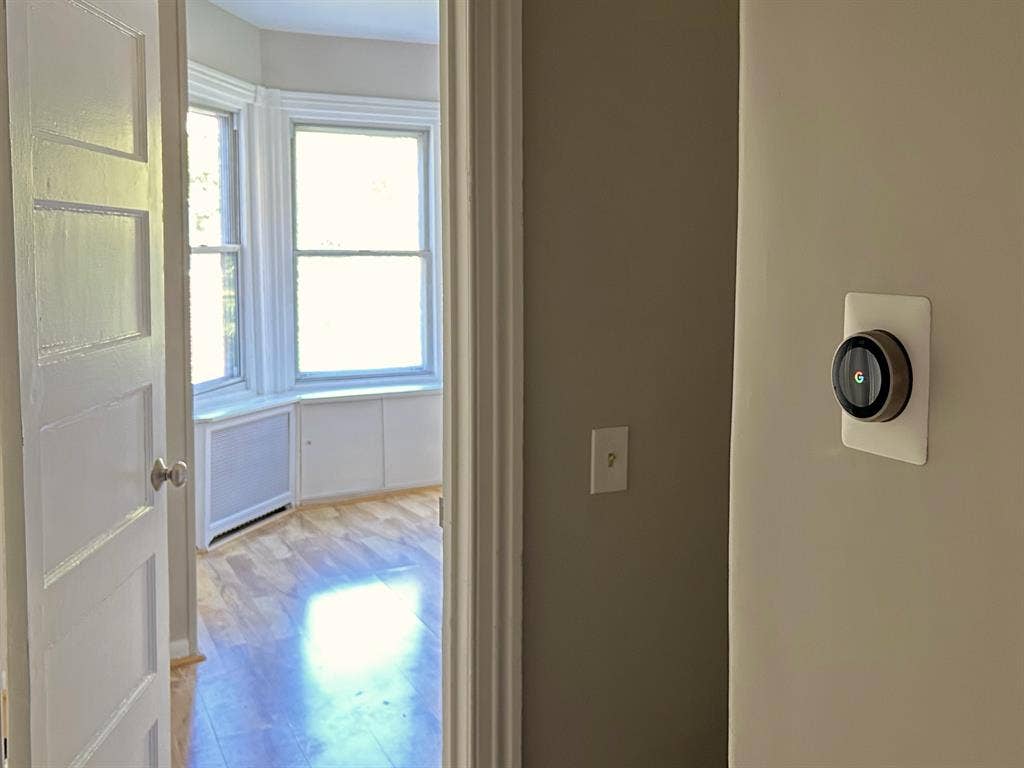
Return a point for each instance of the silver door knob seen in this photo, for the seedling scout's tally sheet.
(177, 474)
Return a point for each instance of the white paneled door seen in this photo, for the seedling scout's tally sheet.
(85, 117)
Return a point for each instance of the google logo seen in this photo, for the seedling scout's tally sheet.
(859, 377)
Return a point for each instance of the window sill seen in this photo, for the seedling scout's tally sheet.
(206, 413)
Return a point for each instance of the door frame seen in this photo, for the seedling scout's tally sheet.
(482, 193)
(12, 500)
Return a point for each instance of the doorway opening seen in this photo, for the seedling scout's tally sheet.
(315, 367)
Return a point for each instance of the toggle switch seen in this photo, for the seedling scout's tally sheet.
(609, 459)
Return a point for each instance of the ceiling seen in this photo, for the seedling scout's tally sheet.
(413, 21)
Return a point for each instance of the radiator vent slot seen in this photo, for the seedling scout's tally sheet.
(249, 466)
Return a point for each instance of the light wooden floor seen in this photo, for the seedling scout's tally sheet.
(322, 630)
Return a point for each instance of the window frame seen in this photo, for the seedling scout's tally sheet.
(214, 92)
(425, 253)
(367, 114)
(230, 170)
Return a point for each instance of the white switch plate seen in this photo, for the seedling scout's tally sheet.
(609, 459)
(909, 318)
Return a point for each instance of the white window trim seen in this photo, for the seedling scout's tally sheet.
(208, 88)
(300, 108)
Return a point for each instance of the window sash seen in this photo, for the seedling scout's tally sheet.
(233, 349)
(230, 173)
(230, 204)
(422, 137)
(427, 325)
(427, 351)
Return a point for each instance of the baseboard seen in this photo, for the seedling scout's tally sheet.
(323, 501)
(358, 496)
(186, 661)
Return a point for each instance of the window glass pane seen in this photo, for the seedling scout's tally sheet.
(209, 193)
(213, 302)
(357, 191)
(359, 313)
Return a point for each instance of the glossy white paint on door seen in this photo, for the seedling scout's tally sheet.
(85, 117)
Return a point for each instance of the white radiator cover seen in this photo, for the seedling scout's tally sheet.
(252, 462)
(247, 469)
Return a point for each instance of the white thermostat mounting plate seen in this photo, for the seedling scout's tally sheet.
(909, 318)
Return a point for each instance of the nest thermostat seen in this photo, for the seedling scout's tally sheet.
(880, 375)
(872, 376)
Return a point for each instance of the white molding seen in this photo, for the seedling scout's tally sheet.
(360, 108)
(271, 237)
(214, 88)
(297, 107)
(243, 406)
(211, 88)
(481, 82)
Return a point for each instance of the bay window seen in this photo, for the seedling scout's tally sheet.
(313, 239)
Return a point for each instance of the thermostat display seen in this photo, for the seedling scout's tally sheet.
(871, 376)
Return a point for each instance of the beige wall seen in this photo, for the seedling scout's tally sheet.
(630, 205)
(876, 607)
(223, 41)
(349, 66)
(316, 63)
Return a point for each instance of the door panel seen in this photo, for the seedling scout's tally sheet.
(92, 92)
(121, 436)
(93, 253)
(85, 141)
(93, 678)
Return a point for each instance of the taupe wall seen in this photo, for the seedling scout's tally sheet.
(223, 41)
(350, 66)
(630, 205)
(319, 63)
(876, 607)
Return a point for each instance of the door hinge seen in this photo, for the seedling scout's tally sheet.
(440, 511)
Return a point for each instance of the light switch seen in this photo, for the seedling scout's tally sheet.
(609, 459)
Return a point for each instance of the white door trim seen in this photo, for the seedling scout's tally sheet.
(482, 174)
(12, 498)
